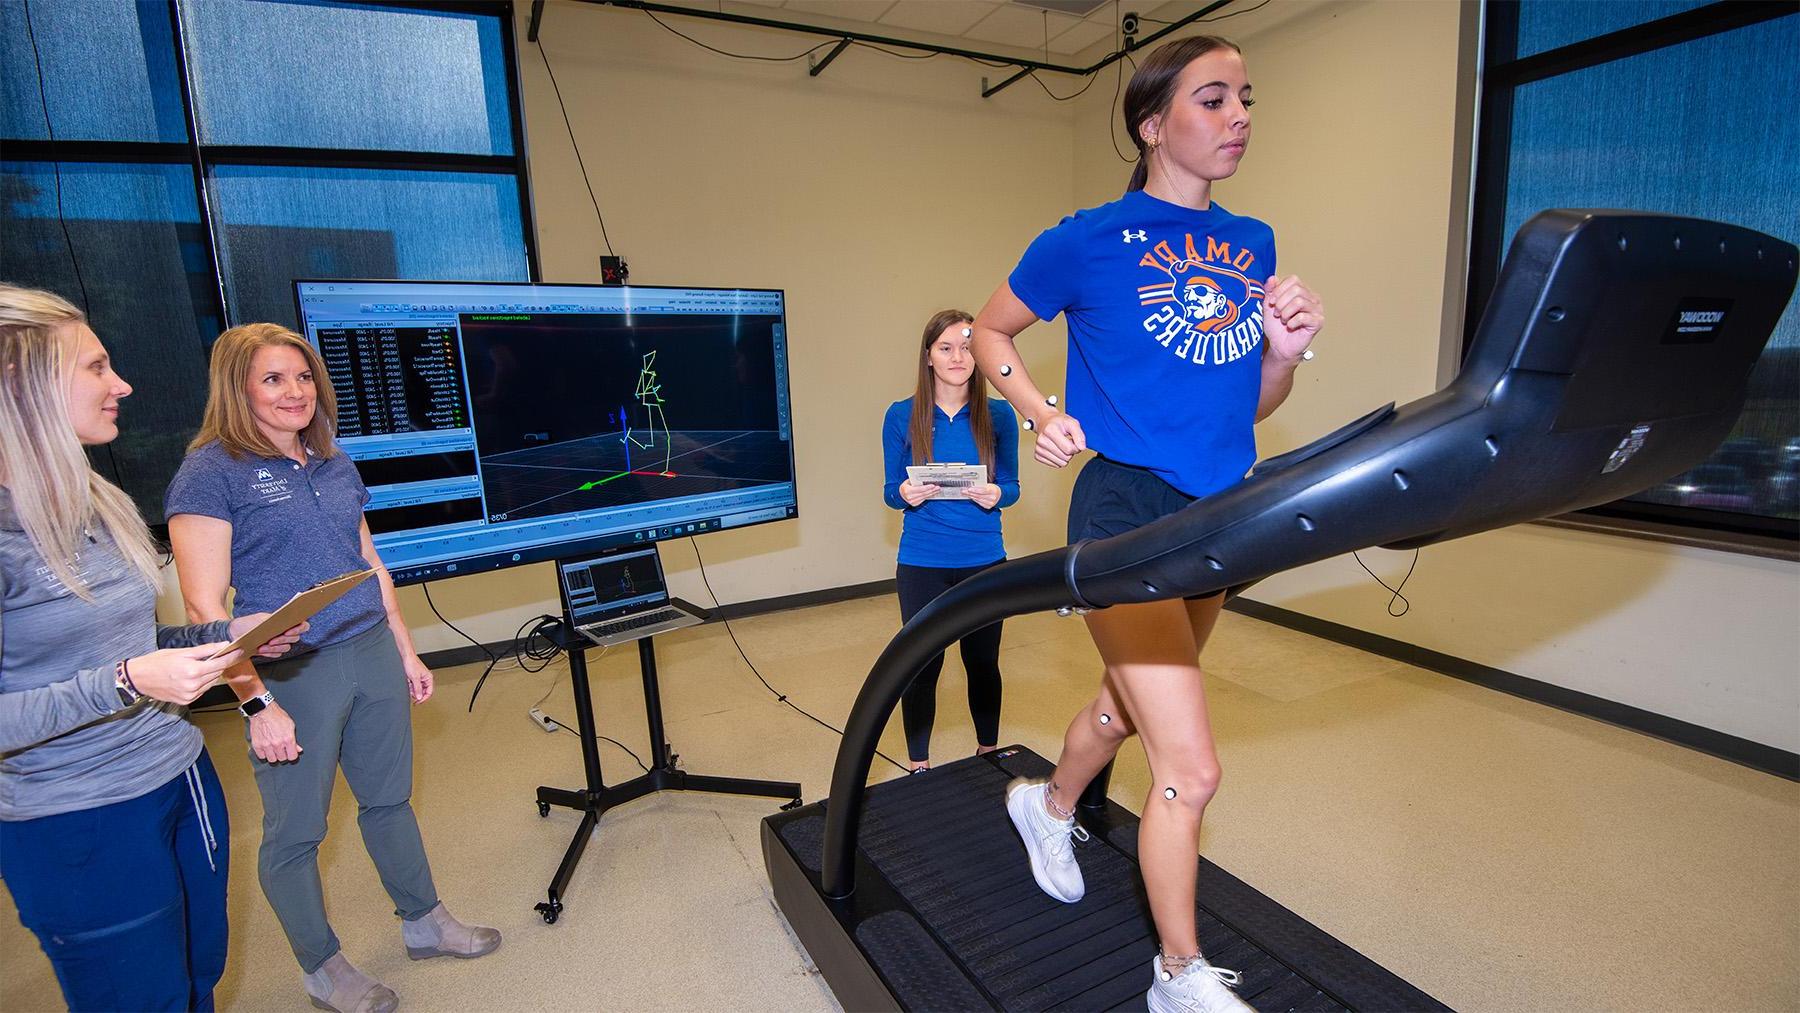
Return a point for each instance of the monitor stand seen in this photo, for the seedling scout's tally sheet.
(664, 774)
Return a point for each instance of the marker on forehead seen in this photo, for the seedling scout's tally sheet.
(966, 332)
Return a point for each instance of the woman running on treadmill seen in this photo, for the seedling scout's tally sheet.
(1181, 337)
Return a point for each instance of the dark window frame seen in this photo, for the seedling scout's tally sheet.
(1501, 75)
(200, 157)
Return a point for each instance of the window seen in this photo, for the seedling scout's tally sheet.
(1673, 107)
(175, 167)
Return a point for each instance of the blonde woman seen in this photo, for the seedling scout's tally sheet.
(267, 503)
(114, 840)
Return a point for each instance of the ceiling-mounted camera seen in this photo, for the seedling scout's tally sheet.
(1128, 25)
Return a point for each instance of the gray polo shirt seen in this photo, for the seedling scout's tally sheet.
(65, 743)
(292, 526)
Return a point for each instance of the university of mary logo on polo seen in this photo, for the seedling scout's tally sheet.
(1203, 295)
(270, 488)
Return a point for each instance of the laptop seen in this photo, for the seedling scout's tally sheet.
(620, 596)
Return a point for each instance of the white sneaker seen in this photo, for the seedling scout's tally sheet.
(1199, 988)
(1046, 838)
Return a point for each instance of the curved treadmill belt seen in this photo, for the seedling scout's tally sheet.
(942, 842)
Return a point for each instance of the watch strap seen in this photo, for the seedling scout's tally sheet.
(128, 693)
(256, 704)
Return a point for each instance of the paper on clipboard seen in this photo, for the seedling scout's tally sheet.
(951, 479)
(300, 607)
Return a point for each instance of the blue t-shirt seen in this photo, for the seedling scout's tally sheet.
(1164, 310)
(951, 533)
(291, 527)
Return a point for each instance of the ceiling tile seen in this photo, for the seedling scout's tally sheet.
(943, 17)
(1020, 27)
(1080, 37)
(850, 10)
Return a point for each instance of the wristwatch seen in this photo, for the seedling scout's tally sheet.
(256, 704)
(128, 693)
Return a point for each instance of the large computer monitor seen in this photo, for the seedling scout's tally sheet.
(499, 424)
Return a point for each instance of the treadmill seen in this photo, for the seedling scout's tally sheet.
(1615, 353)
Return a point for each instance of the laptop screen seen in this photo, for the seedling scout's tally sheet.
(612, 585)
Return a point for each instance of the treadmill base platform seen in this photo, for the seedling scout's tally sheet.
(946, 916)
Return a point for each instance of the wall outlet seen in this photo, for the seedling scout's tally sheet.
(542, 720)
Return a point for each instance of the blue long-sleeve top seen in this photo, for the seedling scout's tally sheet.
(944, 532)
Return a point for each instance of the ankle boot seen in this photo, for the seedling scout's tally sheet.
(437, 933)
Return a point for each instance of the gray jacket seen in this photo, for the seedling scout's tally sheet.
(65, 742)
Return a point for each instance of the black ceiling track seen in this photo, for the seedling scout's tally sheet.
(847, 37)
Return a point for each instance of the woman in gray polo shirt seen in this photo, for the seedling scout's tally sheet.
(113, 831)
(268, 504)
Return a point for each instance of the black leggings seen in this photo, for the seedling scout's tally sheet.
(917, 586)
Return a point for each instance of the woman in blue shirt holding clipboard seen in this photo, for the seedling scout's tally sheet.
(268, 504)
(949, 534)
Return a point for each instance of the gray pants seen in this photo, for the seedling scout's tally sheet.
(350, 706)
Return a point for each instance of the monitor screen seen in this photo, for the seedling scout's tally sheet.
(499, 424)
(618, 582)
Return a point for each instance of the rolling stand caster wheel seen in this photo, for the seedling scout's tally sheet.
(790, 804)
(544, 812)
(550, 910)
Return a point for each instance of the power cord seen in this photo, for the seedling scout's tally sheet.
(522, 649)
(1204, 21)
(1405, 606)
(573, 144)
(779, 696)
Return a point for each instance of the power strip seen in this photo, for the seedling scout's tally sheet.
(542, 720)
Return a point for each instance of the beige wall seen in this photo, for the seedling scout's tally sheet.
(1352, 163)
(887, 188)
(875, 194)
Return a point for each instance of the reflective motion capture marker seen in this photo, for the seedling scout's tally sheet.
(966, 332)
(1030, 426)
(1005, 369)
(1168, 793)
(1106, 719)
(1051, 400)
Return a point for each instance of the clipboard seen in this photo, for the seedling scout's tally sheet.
(301, 606)
(950, 478)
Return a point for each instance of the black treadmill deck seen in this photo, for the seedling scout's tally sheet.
(946, 915)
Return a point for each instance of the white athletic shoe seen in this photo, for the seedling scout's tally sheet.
(1199, 988)
(1047, 840)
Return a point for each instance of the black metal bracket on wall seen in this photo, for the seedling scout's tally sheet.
(845, 39)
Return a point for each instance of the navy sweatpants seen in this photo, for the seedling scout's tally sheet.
(128, 899)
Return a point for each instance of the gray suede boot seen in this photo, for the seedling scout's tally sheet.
(437, 933)
(338, 986)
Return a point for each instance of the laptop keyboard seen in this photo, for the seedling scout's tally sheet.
(635, 622)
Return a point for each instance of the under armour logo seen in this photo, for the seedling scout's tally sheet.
(1140, 235)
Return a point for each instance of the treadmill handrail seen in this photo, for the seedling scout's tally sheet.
(1555, 409)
